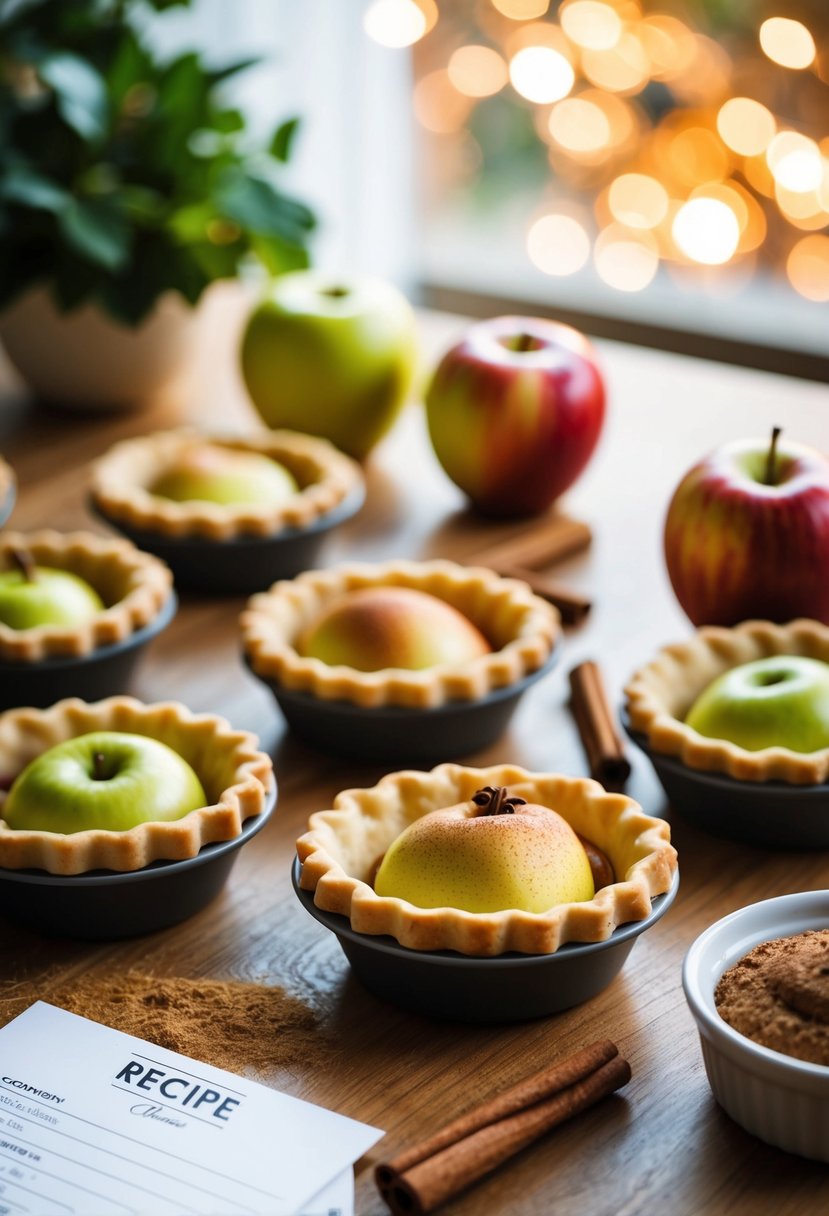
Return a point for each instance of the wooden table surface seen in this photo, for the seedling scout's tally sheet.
(663, 1145)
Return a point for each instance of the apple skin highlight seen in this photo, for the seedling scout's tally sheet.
(737, 549)
(375, 628)
(142, 780)
(456, 858)
(515, 411)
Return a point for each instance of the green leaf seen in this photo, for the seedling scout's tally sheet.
(283, 138)
(241, 65)
(98, 231)
(258, 206)
(278, 256)
(80, 93)
(31, 189)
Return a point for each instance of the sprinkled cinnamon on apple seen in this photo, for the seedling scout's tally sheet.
(770, 476)
(25, 563)
(493, 800)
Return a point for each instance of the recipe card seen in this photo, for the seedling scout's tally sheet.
(99, 1123)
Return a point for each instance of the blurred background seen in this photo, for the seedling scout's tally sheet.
(652, 171)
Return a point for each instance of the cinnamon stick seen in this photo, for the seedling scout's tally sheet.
(597, 726)
(419, 1181)
(573, 608)
(542, 545)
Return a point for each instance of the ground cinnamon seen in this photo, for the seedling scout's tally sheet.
(597, 727)
(233, 1025)
(468, 1149)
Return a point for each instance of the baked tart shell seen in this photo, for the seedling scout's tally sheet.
(236, 776)
(340, 851)
(661, 693)
(133, 585)
(521, 628)
(122, 480)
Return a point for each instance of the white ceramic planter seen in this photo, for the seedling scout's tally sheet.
(83, 360)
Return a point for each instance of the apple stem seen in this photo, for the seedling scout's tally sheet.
(770, 477)
(99, 767)
(25, 564)
(493, 800)
(336, 293)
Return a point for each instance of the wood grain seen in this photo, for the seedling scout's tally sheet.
(663, 1146)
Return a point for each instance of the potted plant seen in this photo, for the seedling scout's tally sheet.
(127, 186)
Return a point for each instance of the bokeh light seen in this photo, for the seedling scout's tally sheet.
(522, 10)
(438, 105)
(638, 201)
(622, 69)
(478, 71)
(787, 42)
(541, 74)
(706, 230)
(625, 260)
(558, 244)
(795, 162)
(591, 24)
(747, 126)
(579, 125)
(808, 267)
(399, 23)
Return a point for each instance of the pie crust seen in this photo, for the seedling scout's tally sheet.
(341, 850)
(521, 627)
(234, 773)
(660, 695)
(121, 481)
(135, 587)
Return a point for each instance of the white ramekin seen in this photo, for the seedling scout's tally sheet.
(781, 1100)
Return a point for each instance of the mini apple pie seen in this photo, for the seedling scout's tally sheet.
(226, 781)
(70, 595)
(346, 848)
(183, 484)
(772, 724)
(407, 634)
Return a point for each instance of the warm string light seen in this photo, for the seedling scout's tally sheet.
(696, 182)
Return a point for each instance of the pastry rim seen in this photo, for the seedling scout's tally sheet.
(137, 847)
(691, 666)
(149, 587)
(273, 618)
(492, 933)
(120, 480)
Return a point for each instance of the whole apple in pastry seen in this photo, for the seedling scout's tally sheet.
(32, 595)
(211, 473)
(486, 855)
(106, 779)
(782, 701)
(373, 628)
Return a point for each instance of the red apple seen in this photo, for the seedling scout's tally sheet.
(515, 411)
(747, 534)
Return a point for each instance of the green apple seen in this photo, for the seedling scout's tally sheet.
(330, 357)
(377, 627)
(107, 779)
(781, 701)
(487, 855)
(211, 473)
(33, 595)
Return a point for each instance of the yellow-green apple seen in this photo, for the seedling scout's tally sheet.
(782, 701)
(331, 357)
(377, 627)
(32, 595)
(747, 534)
(211, 473)
(491, 853)
(107, 779)
(515, 410)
